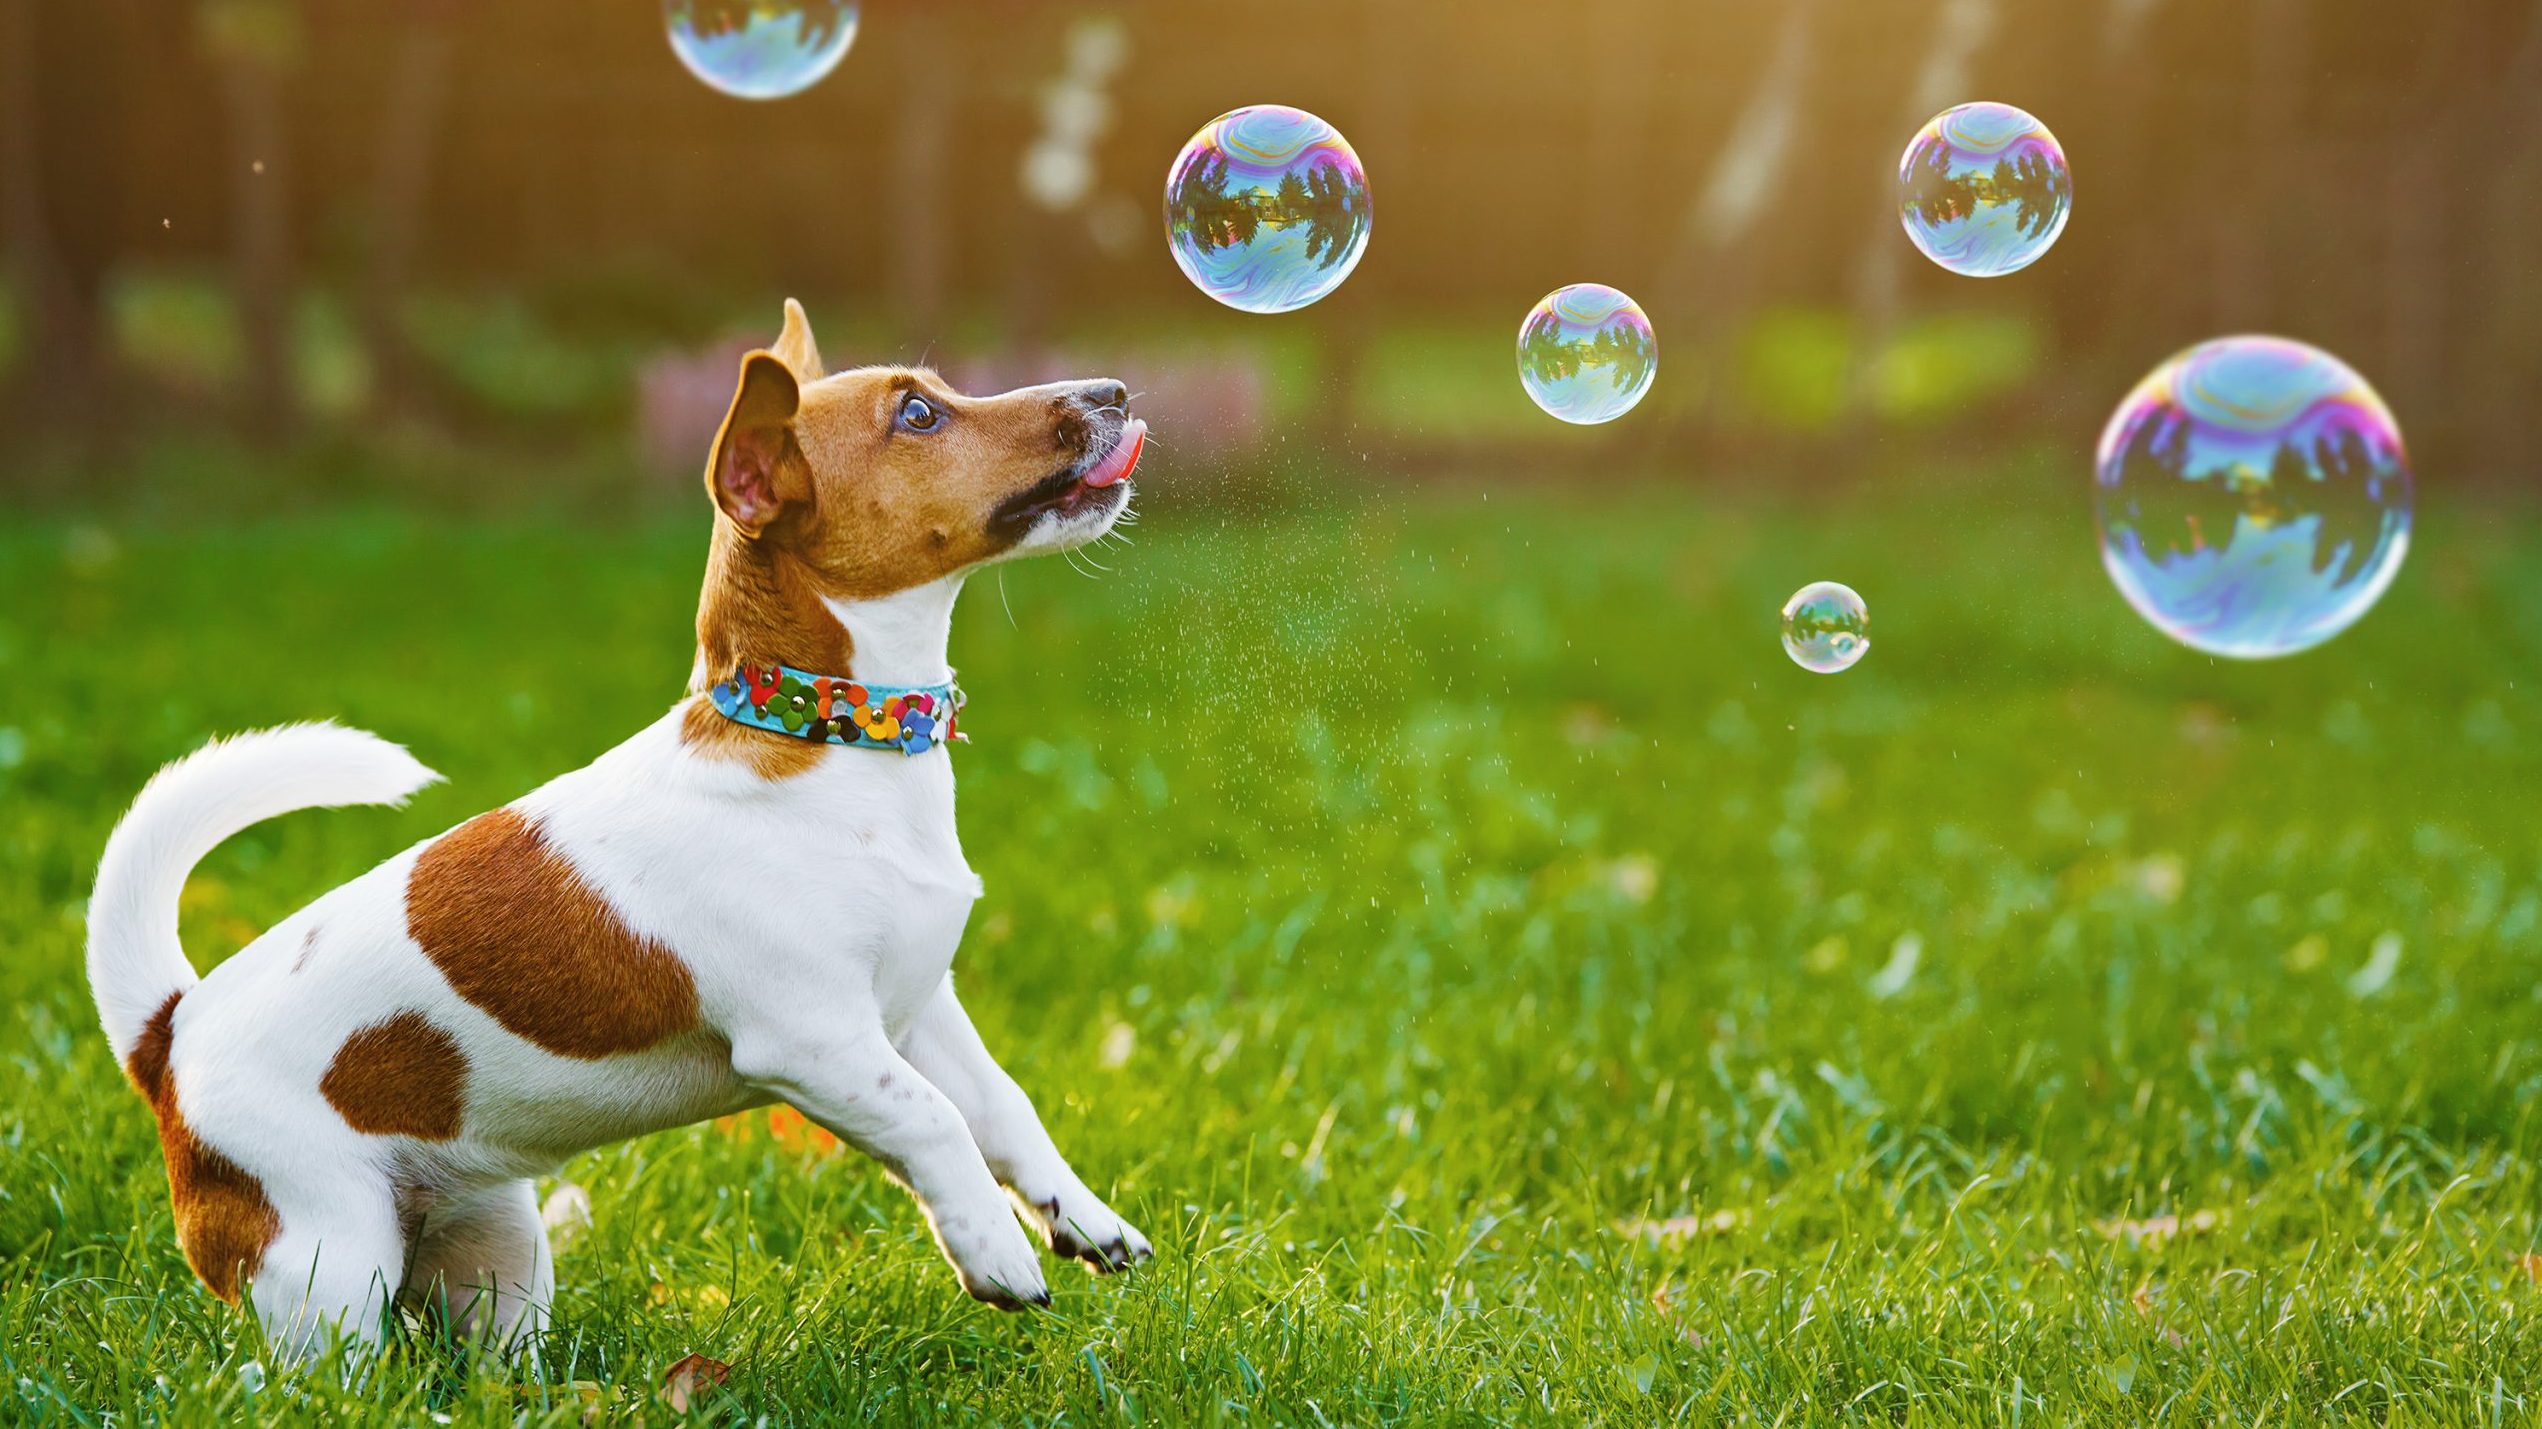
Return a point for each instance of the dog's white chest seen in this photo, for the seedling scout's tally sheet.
(855, 862)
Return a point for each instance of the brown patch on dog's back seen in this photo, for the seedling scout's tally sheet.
(224, 1220)
(401, 1077)
(520, 935)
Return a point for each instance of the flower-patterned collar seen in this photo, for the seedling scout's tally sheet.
(780, 699)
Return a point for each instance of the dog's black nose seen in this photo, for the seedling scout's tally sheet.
(1098, 396)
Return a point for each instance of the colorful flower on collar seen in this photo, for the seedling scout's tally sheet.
(880, 725)
(792, 705)
(917, 731)
(763, 684)
(838, 696)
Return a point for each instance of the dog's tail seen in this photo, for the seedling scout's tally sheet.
(135, 964)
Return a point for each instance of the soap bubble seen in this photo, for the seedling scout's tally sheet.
(1983, 189)
(1587, 353)
(1826, 627)
(2253, 497)
(760, 49)
(1266, 208)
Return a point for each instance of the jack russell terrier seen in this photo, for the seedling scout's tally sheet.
(754, 899)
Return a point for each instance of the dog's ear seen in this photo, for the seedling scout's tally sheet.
(795, 348)
(757, 471)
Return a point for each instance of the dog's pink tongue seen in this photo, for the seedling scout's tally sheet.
(1122, 459)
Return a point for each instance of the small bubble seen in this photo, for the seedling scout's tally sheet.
(1586, 353)
(1826, 627)
(760, 49)
(1983, 189)
(1267, 208)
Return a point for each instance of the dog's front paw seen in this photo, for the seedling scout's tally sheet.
(1081, 1227)
(997, 1263)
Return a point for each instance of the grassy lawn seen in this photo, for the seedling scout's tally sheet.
(1504, 986)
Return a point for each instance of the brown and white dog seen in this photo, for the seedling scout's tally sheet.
(708, 917)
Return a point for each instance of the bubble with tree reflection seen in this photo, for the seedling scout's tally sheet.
(760, 49)
(1984, 190)
(1826, 627)
(2253, 496)
(1586, 353)
(1266, 209)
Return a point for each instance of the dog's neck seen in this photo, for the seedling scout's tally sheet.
(762, 603)
(900, 639)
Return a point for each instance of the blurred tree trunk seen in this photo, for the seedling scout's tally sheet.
(2498, 390)
(1960, 29)
(1036, 270)
(1382, 136)
(253, 44)
(1717, 259)
(2420, 184)
(922, 225)
(2126, 166)
(400, 177)
(1618, 152)
(59, 73)
(2244, 195)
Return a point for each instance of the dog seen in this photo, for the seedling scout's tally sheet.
(754, 899)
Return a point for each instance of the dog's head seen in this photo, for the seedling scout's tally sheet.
(884, 478)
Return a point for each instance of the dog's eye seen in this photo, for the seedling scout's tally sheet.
(919, 415)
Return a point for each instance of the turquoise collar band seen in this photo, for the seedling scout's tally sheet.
(910, 719)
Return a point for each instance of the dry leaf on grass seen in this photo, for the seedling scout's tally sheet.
(2154, 1230)
(1665, 1300)
(1676, 1228)
(2143, 1300)
(690, 1379)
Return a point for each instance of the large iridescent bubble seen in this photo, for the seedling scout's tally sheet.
(1586, 353)
(1983, 189)
(1266, 208)
(760, 49)
(2254, 498)
(1826, 627)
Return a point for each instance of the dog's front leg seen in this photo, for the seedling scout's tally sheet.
(943, 1044)
(856, 1085)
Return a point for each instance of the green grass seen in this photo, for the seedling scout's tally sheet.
(1395, 908)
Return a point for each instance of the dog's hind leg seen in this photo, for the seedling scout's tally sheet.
(482, 1266)
(943, 1044)
(333, 1269)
